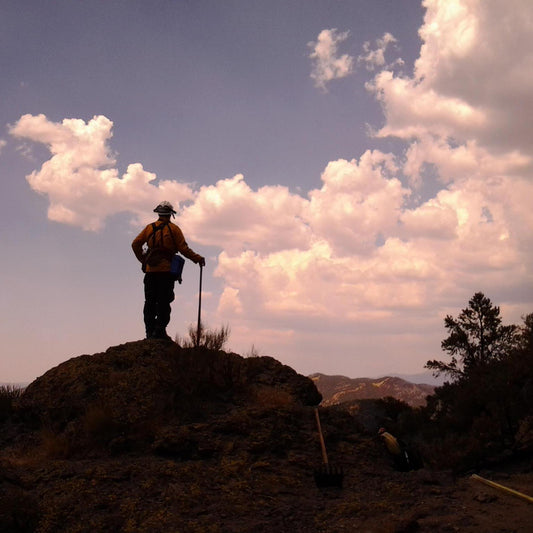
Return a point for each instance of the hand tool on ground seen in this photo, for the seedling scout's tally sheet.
(327, 475)
(503, 488)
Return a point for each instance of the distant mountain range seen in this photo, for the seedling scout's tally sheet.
(340, 389)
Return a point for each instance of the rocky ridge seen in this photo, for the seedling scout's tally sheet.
(340, 389)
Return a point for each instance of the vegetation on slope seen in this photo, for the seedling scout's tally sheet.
(484, 414)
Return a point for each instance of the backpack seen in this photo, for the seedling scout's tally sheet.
(158, 252)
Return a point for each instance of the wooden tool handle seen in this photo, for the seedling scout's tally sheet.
(322, 443)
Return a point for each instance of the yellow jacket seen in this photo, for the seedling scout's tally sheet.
(171, 244)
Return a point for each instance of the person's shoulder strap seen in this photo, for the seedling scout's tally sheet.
(169, 224)
(155, 229)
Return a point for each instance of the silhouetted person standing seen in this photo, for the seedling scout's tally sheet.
(155, 247)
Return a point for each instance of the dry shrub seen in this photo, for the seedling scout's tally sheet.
(55, 445)
(456, 452)
(19, 510)
(272, 398)
(11, 391)
(95, 429)
(252, 352)
(211, 339)
(8, 395)
(99, 424)
(524, 435)
(101, 430)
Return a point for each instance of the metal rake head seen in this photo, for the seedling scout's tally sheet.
(329, 476)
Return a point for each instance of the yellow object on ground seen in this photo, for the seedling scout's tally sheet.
(502, 488)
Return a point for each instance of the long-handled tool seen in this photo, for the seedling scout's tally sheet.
(327, 476)
(199, 327)
(503, 488)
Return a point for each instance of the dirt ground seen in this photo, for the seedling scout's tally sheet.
(234, 495)
(435, 501)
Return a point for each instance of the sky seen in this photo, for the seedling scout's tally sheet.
(353, 172)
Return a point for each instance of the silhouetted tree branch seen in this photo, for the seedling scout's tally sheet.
(476, 338)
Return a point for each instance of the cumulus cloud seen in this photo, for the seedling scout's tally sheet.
(327, 65)
(231, 215)
(80, 179)
(466, 114)
(465, 229)
(472, 78)
(359, 201)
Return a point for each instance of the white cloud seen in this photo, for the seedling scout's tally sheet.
(80, 179)
(327, 65)
(232, 216)
(412, 109)
(375, 58)
(457, 162)
(359, 201)
(473, 78)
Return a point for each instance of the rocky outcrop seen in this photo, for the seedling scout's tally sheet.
(126, 395)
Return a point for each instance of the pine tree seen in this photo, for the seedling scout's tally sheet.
(476, 338)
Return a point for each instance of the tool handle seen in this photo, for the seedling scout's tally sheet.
(199, 326)
(502, 488)
(322, 443)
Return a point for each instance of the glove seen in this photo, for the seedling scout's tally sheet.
(201, 261)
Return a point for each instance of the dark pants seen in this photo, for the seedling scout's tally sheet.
(158, 294)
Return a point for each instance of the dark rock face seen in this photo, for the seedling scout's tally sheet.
(125, 395)
(268, 372)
